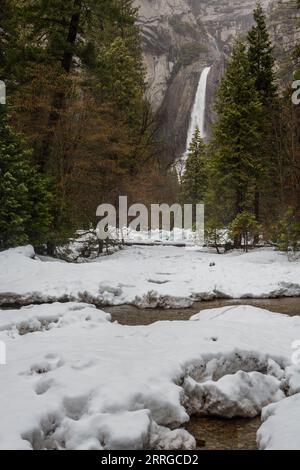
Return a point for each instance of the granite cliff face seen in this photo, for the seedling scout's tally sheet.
(181, 37)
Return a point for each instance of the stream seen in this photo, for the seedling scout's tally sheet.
(130, 315)
(210, 433)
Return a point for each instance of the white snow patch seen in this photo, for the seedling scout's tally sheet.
(281, 425)
(188, 275)
(44, 317)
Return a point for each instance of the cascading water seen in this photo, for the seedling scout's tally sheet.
(198, 112)
(197, 120)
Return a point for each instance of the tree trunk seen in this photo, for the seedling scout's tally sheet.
(59, 99)
(239, 210)
(51, 248)
(58, 102)
(72, 36)
(256, 212)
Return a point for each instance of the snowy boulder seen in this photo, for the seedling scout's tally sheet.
(240, 395)
(107, 431)
(25, 251)
(280, 428)
(163, 438)
(275, 370)
(291, 381)
(155, 300)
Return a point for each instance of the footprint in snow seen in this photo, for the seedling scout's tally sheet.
(43, 385)
(49, 363)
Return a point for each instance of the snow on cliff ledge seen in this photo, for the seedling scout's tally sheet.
(74, 380)
(148, 277)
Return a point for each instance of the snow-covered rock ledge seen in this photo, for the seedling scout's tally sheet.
(147, 277)
(74, 380)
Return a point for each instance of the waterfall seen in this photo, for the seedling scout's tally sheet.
(198, 112)
(197, 120)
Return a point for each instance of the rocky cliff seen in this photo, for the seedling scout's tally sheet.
(181, 37)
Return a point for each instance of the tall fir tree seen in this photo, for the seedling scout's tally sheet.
(24, 198)
(234, 164)
(261, 61)
(260, 55)
(194, 180)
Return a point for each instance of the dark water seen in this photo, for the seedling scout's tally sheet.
(211, 433)
(221, 434)
(129, 315)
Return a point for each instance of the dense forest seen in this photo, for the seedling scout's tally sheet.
(76, 121)
(250, 171)
(77, 130)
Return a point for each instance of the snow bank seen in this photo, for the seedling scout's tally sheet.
(281, 427)
(86, 383)
(240, 395)
(30, 319)
(147, 277)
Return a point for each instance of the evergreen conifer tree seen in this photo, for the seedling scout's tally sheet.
(260, 55)
(194, 180)
(24, 198)
(234, 164)
(261, 62)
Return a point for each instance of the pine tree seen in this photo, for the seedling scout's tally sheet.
(194, 180)
(24, 198)
(260, 55)
(234, 163)
(261, 61)
(244, 227)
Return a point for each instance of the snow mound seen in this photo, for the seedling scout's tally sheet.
(281, 425)
(20, 251)
(241, 314)
(291, 380)
(44, 317)
(240, 395)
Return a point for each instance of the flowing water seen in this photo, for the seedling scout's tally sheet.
(129, 315)
(198, 112)
(211, 433)
(197, 118)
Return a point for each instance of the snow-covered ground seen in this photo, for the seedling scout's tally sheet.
(74, 380)
(148, 277)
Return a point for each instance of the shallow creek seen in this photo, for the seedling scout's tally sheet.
(130, 315)
(210, 433)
